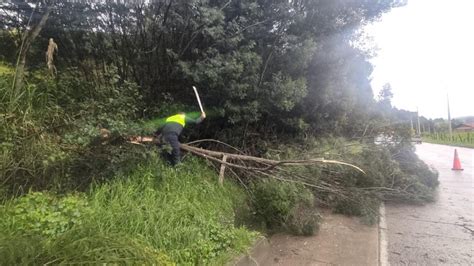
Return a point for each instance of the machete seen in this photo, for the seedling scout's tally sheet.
(198, 99)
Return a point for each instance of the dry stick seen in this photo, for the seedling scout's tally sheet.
(52, 46)
(272, 163)
(228, 3)
(308, 179)
(23, 39)
(222, 171)
(262, 171)
(216, 141)
(237, 156)
(257, 170)
(335, 191)
(240, 180)
(206, 156)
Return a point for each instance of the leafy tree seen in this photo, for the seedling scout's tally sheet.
(268, 67)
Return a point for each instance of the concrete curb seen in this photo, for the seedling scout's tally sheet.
(258, 255)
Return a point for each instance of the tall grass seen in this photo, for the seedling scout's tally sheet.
(155, 215)
(190, 212)
(28, 154)
(49, 131)
(463, 139)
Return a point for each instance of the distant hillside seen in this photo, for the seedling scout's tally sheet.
(466, 119)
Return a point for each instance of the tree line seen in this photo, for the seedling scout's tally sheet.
(268, 72)
(265, 67)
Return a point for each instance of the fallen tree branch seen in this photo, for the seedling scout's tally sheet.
(269, 163)
(333, 184)
(272, 163)
(215, 141)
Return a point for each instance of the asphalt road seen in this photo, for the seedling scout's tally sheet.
(441, 232)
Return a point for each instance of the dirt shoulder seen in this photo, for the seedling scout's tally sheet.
(341, 240)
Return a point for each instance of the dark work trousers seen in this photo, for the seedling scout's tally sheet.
(172, 139)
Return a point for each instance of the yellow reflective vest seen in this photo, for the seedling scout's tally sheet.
(179, 118)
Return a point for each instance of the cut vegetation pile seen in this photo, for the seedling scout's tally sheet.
(393, 172)
(284, 196)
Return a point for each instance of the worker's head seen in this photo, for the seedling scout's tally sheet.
(181, 113)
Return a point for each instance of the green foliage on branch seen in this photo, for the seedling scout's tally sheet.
(393, 172)
(280, 205)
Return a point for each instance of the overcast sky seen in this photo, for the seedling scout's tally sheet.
(426, 50)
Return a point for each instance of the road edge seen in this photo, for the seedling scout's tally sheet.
(383, 241)
(448, 144)
(258, 254)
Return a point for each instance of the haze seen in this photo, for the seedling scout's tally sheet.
(426, 50)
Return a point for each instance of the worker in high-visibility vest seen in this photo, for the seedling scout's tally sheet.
(172, 129)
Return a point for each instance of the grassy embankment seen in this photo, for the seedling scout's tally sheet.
(461, 139)
(157, 215)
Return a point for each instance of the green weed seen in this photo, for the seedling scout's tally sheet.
(154, 215)
(43, 214)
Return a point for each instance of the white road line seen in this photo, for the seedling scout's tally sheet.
(383, 244)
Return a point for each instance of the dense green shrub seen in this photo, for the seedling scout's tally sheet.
(283, 205)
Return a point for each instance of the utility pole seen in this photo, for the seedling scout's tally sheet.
(418, 118)
(411, 124)
(449, 120)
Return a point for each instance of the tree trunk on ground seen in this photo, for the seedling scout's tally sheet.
(264, 164)
(30, 36)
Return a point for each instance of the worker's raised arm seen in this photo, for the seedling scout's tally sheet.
(197, 120)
